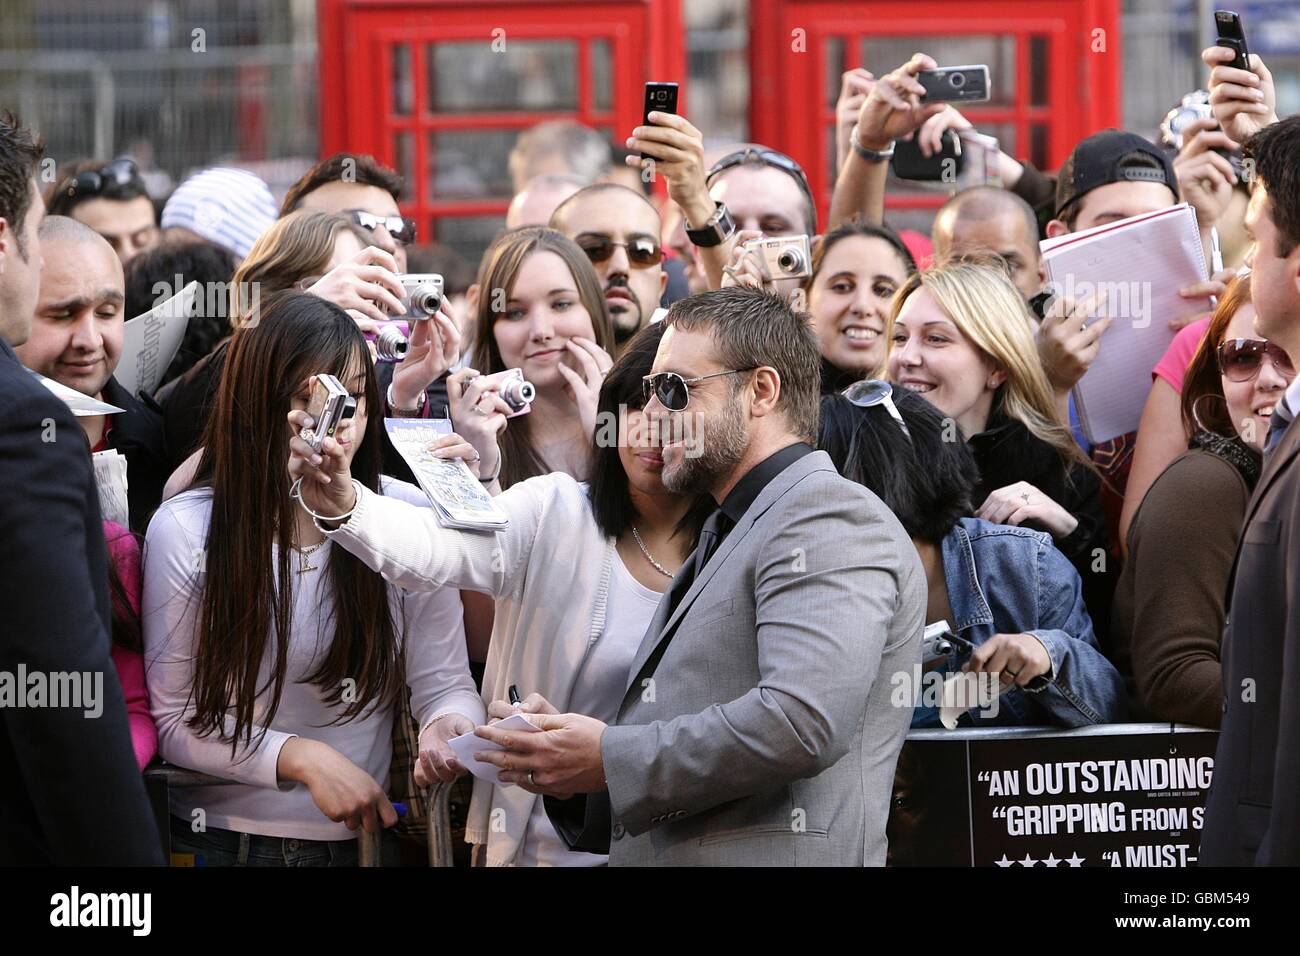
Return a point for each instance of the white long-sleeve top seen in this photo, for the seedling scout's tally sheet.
(437, 672)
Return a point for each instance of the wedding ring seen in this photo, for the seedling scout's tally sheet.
(531, 781)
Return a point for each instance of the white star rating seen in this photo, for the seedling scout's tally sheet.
(1027, 861)
(1075, 860)
(1051, 861)
(1004, 861)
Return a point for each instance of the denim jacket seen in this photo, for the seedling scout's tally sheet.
(1006, 580)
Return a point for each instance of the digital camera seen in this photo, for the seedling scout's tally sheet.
(422, 295)
(786, 257)
(329, 407)
(390, 344)
(515, 390)
(955, 84)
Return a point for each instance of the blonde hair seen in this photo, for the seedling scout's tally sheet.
(297, 246)
(989, 311)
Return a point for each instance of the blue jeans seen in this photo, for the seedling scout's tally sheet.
(217, 847)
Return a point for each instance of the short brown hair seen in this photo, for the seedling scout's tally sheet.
(752, 329)
(364, 170)
(19, 154)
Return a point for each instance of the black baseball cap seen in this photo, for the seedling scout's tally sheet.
(1107, 157)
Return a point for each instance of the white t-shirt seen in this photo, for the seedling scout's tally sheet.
(437, 671)
(597, 692)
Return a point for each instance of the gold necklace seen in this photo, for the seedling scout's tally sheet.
(306, 557)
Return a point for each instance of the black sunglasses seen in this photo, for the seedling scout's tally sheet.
(400, 228)
(1241, 359)
(671, 389)
(642, 252)
(121, 174)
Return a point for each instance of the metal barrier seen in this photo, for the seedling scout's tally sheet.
(160, 778)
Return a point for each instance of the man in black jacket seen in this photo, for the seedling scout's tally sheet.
(76, 339)
(70, 791)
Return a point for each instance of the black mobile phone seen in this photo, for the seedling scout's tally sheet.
(1232, 36)
(661, 97)
(908, 163)
(955, 84)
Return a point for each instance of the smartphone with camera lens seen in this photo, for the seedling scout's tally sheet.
(661, 97)
(955, 84)
(1232, 36)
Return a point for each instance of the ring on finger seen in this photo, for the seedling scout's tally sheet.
(531, 781)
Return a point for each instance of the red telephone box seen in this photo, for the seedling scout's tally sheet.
(1054, 67)
(440, 89)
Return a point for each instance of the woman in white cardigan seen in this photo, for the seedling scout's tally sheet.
(576, 575)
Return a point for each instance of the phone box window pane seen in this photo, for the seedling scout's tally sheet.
(601, 57)
(470, 164)
(834, 61)
(469, 76)
(404, 152)
(403, 88)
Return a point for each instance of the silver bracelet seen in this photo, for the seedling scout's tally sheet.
(398, 410)
(295, 492)
(870, 155)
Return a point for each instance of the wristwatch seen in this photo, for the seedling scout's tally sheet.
(403, 412)
(715, 231)
(870, 155)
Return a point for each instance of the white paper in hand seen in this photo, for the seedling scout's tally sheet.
(150, 342)
(467, 745)
(110, 479)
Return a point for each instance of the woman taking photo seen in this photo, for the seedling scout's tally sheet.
(1006, 591)
(577, 575)
(1169, 604)
(273, 658)
(963, 339)
(538, 308)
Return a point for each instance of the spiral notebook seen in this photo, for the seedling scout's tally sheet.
(1141, 262)
(458, 498)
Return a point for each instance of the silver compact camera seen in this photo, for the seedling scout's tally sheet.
(515, 390)
(421, 295)
(390, 344)
(785, 257)
(329, 406)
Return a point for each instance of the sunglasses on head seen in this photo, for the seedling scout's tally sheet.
(671, 389)
(121, 174)
(1241, 359)
(872, 392)
(761, 155)
(642, 252)
(399, 227)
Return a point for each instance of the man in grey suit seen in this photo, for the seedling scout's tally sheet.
(756, 728)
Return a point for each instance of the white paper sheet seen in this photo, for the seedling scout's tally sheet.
(80, 405)
(150, 342)
(110, 480)
(467, 745)
(1140, 263)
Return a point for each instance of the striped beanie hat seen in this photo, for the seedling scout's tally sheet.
(229, 207)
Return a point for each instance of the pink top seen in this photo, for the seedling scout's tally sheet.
(1173, 364)
(124, 552)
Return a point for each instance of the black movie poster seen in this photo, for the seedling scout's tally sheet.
(1119, 797)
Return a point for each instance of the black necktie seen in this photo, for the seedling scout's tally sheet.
(710, 535)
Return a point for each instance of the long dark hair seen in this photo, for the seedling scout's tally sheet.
(247, 600)
(1202, 376)
(611, 502)
(496, 278)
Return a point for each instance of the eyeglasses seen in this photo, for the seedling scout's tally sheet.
(399, 227)
(121, 173)
(671, 389)
(642, 252)
(872, 392)
(761, 155)
(1241, 359)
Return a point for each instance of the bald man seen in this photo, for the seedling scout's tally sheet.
(534, 204)
(76, 339)
(985, 220)
(619, 230)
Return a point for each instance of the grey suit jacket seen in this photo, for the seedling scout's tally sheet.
(765, 734)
